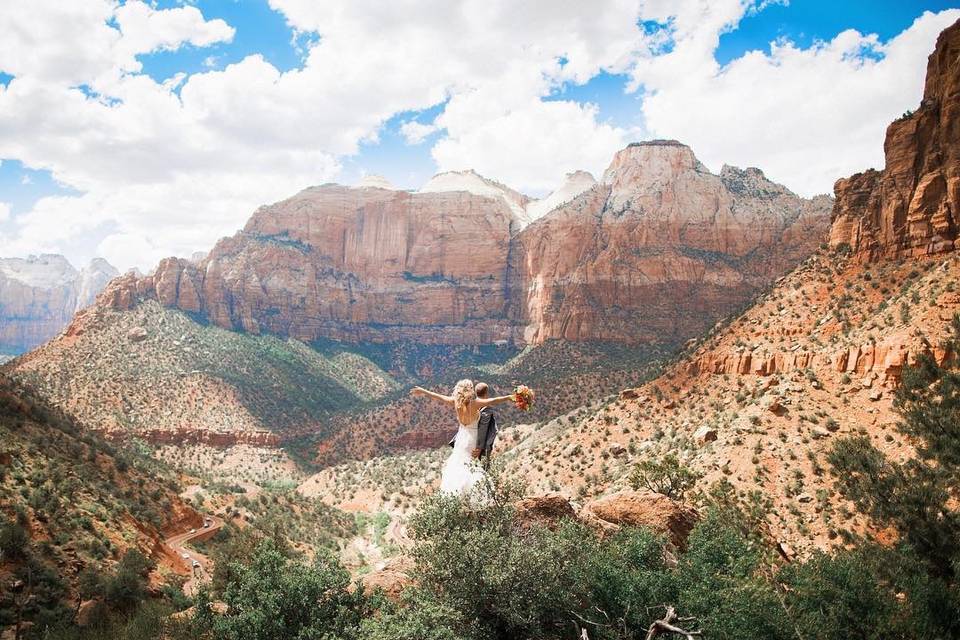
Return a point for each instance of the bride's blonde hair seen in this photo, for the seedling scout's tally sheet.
(463, 395)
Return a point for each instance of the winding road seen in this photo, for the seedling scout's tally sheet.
(202, 571)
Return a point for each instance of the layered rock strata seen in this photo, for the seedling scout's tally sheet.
(911, 207)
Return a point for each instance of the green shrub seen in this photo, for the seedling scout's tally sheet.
(667, 476)
(275, 598)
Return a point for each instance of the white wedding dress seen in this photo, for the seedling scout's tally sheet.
(461, 472)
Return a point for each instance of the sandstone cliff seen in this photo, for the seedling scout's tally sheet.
(911, 208)
(353, 264)
(40, 294)
(660, 248)
(656, 252)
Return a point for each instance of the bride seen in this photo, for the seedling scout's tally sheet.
(461, 472)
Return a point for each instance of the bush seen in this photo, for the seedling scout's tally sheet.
(667, 476)
(14, 541)
(275, 598)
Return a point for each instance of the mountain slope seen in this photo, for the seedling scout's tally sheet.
(74, 502)
(155, 373)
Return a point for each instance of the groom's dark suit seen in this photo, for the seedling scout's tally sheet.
(486, 434)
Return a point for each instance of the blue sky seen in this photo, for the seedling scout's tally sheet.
(609, 104)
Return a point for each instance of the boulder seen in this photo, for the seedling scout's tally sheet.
(643, 509)
(392, 579)
(628, 394)
(547, 510)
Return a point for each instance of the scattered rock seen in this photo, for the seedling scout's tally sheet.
(617, 450)
(773, 404)
(804, 498)
(786, 550)
(876, 394)
(705, 434)
(137, 334)
(819, 432)
(628, 394)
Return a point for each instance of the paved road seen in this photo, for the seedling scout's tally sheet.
(202, 573)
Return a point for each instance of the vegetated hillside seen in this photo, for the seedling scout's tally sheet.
(564, 375)
(758, 402)
(156, 373)
(71, 504)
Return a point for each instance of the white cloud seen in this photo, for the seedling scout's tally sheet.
(415, 132)
(805, 116)
(145, 29)
(4, 211)
(531, 143)
(167, 168)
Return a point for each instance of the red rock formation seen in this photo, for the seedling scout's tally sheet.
(351, 264)
(660, 248)
(911, 208)
(187, 436)
(653, 510)
(656, 252)
(886, 359)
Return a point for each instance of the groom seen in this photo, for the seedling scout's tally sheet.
(486, 428)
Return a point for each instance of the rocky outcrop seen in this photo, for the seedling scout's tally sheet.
(652, 510)
(912, 207)
(610, 513)
(886, 359)
(660, 248)
(353, 264)
(186, 436)
(544, 511)
(40, 294)
(391, 579)
(655, 252)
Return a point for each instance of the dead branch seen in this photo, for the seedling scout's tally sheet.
(665, 625)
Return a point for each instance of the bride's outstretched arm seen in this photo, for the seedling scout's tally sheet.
(420, 391)
(487, 402)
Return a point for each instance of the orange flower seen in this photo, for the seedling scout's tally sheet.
(523, 397)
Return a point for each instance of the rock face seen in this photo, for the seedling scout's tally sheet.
(660, 248)
(656, 251)
(653, 510)
(353, 264)
(910, 208)
(40, 294)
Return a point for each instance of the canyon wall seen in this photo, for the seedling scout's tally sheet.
(40, 294)
(656, 251)
(911, 207)
(661, 248)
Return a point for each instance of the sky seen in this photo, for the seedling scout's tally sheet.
(139, 130)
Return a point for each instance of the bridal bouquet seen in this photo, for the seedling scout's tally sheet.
(523, 397)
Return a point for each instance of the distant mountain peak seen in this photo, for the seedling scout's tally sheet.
(375, 181)
(470, 181)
